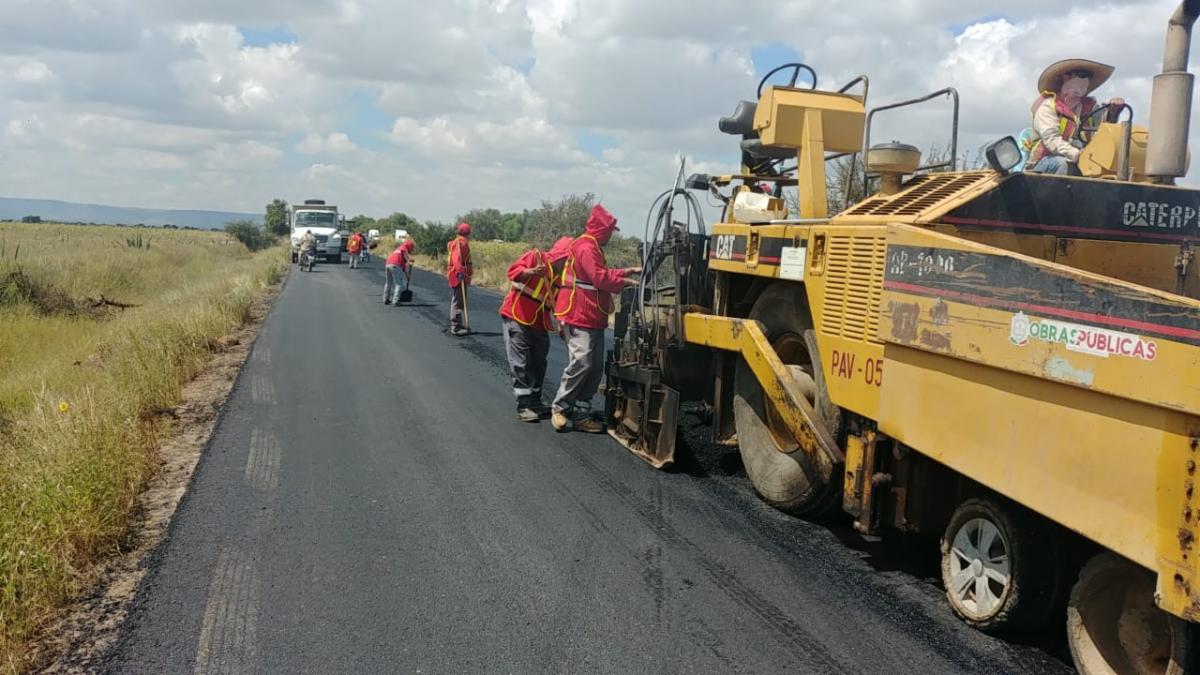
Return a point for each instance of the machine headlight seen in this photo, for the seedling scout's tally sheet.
(1003, 155)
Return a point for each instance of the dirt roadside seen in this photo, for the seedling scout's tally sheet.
(79, 639)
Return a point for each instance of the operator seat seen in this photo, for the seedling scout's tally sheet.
(741, 123)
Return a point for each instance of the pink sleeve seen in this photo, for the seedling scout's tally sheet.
(590, 268)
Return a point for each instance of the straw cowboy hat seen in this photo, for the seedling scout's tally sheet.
(1051, 78)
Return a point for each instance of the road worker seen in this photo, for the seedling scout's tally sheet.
(399, 262)
(1063, 107)
(528, 316)
(354, 246)
(583, 305)
(458, 274)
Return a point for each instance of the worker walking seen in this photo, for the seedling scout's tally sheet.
(397, 265)
(458, 274)
(354, 246)
(583, 305)
(528, 316)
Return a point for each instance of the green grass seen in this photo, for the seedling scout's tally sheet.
(81, 386)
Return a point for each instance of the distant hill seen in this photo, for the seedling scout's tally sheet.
(69, 212)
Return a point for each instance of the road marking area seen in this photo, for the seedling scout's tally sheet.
(262, 354)
(261, 390)
(262, 463)
(228, 633)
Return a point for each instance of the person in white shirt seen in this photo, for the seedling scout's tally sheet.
(1062, 109)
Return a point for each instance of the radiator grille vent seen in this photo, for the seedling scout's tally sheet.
(920, 194)
(853, 286)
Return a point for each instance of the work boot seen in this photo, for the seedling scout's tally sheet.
(458, 331)
(589, 425)
(543, 411)
(559, 420)
(387, 301)
(528, 415)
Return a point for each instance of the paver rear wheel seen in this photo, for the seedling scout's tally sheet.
(1114, 627)
(1000, 567)
(781, 473)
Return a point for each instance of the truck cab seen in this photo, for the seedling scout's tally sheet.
(322, 220)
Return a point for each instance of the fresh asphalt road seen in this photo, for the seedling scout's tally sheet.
(369, 503)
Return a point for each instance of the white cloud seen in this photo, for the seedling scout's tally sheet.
(335, 143)
(33, 71)
(435, 108)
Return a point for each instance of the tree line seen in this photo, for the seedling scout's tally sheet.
(540, 226)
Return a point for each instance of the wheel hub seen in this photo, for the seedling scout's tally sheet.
(980, 571)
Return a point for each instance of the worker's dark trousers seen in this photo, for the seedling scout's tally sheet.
(457, 301)
(585, 369)
(526, 348)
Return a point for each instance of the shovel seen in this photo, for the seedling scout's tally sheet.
(466, 312)
(406, 294)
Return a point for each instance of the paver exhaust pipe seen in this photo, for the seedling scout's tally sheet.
(1171, 102)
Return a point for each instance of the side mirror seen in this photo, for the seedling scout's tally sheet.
(1004, 155)
(697, 181)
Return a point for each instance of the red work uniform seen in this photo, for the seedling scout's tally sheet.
(585, 299)
(583, 305)
(458, 275)
(527, 317)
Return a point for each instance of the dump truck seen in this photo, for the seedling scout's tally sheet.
(1008, 360)
(323, 221)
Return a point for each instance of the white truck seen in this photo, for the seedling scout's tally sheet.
(315, 216)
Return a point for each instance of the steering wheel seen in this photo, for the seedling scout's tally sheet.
(1094, 125)
(796, 68)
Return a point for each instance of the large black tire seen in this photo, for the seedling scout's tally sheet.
(1001, 567)
(781, 473)
(1114, 627)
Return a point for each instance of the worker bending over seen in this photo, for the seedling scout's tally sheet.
(398, 263)
(527, 314)
(583, 305)
(458, 274)
(1061, 111)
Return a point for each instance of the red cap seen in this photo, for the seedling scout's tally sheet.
(464, 229)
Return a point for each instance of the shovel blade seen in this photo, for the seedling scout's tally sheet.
(406, 296)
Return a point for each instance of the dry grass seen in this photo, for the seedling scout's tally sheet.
(491, 260)
(83, 382)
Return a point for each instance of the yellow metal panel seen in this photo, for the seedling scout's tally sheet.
(852, 477)
(950, 319)
(1151, 265)
(1110, 469)
(780, 118)
(854, 373)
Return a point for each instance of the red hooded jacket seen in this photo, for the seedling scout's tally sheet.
(530, 301)
(460, 261)
(585, 299)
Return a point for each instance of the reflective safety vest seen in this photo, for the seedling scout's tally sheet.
(527, 301)
(570, 280)
(1068, 123)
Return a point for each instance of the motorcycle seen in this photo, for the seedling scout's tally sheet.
(307, 260)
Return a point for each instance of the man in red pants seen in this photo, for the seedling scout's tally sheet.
(458, 275)
(583, 305)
